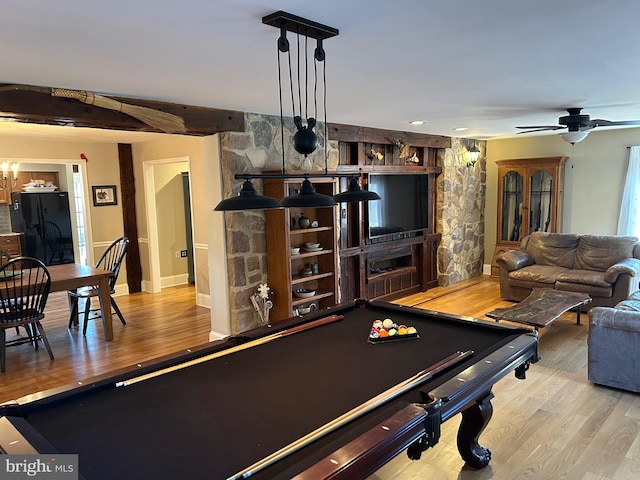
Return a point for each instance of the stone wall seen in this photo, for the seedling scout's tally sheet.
(461, 205)
(257, 149)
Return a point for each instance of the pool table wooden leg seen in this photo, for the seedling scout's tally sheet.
(474, 420)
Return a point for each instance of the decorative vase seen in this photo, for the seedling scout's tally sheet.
(303, 222)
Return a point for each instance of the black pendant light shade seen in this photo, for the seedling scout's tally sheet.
(355, 194)
(247, 199)
(307, 197)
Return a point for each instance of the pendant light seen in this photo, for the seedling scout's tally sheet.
(247, 199)
(355, 194)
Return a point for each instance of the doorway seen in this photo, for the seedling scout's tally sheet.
(168, 221)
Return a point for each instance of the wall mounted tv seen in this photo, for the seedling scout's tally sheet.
(404, 207)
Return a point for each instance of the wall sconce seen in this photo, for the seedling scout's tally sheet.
(6, 181)
(472, 155)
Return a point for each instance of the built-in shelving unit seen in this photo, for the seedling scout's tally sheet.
(284, 233)
(393, 265)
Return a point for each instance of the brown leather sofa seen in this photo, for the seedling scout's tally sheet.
(606, 267)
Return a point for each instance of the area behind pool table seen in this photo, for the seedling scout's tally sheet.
(215, 418)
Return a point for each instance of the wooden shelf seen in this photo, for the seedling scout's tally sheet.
(396, 272)
(298, 279)
(318, 296)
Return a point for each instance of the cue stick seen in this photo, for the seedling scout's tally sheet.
(253, 343)
(351, 415)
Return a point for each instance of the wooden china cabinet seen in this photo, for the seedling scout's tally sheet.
(530, 199)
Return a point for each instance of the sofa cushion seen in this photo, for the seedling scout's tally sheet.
(584, 277)
(591, 290)
(556, 249)
(599, 252)
(536, 274)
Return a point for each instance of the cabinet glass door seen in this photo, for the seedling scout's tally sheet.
(511, 207)
(540, 201)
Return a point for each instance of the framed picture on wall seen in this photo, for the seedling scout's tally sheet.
(104, 195)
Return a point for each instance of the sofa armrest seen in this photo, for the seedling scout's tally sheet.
(614, 318)
(515, 259)
(628, 266)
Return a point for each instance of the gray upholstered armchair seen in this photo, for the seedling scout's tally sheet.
(614, 345)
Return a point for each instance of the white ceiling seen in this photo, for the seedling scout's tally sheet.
(487, 65)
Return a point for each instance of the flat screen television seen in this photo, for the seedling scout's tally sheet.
(404, 206)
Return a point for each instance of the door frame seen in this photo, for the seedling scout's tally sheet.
(148, 166)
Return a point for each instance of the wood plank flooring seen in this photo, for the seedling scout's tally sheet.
(156, 324)
(553, 425)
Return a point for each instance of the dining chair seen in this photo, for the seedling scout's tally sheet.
(4, 258)
(24, 289)
(110, 260)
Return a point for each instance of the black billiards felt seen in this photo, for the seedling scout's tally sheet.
(214, 419)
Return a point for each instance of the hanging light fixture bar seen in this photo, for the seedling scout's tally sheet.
(295, 24)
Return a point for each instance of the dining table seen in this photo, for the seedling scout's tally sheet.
(71, 276)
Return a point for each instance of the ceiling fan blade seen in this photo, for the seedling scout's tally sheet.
(540, 129)
(544, 127)
(599, 122)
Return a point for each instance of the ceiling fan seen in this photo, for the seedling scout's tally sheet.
(578, 125)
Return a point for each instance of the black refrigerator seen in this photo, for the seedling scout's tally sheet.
(44, 220)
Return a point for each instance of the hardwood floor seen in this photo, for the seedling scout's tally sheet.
(553, 425)
(156, 324)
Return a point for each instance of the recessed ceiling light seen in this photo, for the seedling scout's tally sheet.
(417, 122)
(461, 129)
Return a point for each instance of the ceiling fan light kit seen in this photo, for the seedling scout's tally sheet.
(574, 137)
(305, 140)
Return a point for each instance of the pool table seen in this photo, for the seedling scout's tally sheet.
(308, 398)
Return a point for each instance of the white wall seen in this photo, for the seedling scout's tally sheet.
(594, 178)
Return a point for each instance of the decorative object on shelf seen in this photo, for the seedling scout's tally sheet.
(375, 155)
(315, 224)
(306, 272)
(304, 309)
(305, 141)
(104, 195)
(295, 250)
(303, 222)
(413, 158)
(38, 186)
(304, 292)
(6, 181)
(261, 301)
(402, 147)
(315, 268)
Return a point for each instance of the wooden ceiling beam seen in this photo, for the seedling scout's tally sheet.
(350, 133)
(28, 104)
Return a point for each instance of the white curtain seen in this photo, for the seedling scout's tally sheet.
(629, 221)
